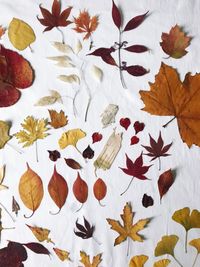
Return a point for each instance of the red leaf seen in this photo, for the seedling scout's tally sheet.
(37, 248)
(147, 201)
(136, 48)
(165, 181)
(96, 137)
(73, 164)
(116, 15)
(134, 140)
(136, 70)
(125, 122)
(56, 8)
(109, 60)
(99, 189)
(9, 95)
(80, 189)
(105, 54)
(138, 126)
(135, 22)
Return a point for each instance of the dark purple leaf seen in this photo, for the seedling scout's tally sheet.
(54, 155)
(37, 248)
(138, 126)
(135, 22)
(136, 70)
(85, 231)
(88, 153)
(100, 52)
(116, 15)
(136, 48)
(147, 201)
(109, 60)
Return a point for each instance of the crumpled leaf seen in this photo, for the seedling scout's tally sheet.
(166, 245)
(175, 42)
(97, 73)
(162, 263)
(73, 78)
(49, 100)
(63, 255)
(85, 259)
(62, 61)
(64, 48)
(34, 129)
(42, 234)
(20, 34)
(4, 133)
(84, 231)
(165, 181)
(71, 137)
(169, 96)
(2, 176)
(58, 119)
(128, 229)
(138, 261)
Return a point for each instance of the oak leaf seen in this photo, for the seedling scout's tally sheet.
(4, 133)
(169, 96)
(63, 255)
(175, 42)
(85, 259)
(86, 24)
(128, 229)
(42, 234)
(58, 119)
(138, 261)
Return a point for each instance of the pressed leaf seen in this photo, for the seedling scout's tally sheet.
(162, 263)
(37, 248)
(54, 155)
(49, 100)
(168, 96)
(175, 42)
(42, 234)
(109, 114)
(116, 16)
(78, 47)
(4, 133)
(64, 48)
(138, 126)
(62, 61)
(196, 244)
(63, 255)
(97, 73)
(136, 48)
(135, 22)
(138, 261)
(9, 95)
(20, 34)
(84, 231)
(73, 78)
(71, 137)
(73, 164)
(136, 70)
(134, 140)
(96, 137)
(31, 189)
(147, 201)
(165, 181)
(58, 119)
(15, 206)
(105, 54)
(88, 153)
(80, 189)
(166, 245)
(99, 189)
(85, 259)
(125, 123)
(58, 189)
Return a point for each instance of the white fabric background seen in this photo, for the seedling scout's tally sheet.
(184, 192)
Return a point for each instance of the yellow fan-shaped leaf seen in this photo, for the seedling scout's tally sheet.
(138, 261)
(20, 34)
(196, 244)
(166, 245)
(162, 263)
(71, 137)
(63, 255)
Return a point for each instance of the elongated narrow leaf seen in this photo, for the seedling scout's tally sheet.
(136, 70)
(135, 22)
(116, 15)
(37, 248)
(136, 48)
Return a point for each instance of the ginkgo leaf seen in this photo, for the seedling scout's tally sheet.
(128, 229)
(175, 42)
(166, 245)
(63, 255)
(162, 263)
(85, 259)
(71, 137)
(168, 96)
(20, 34)
(42, 234)
(2, 176)
(49, 100)
(58, 119)
(73, 78)
(64, 48)
(138, 261)
(4, 133)
(196, 244)
(97, 73)
(78, 47)
(62, 61)
(33, 129)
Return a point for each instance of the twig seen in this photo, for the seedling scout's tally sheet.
(127, 187)
(36, 151)
(165, 125)
(7, 211)
(120, 63)
(177, 261)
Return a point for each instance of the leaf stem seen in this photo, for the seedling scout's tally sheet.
(195, 260)
(128, 247)
(165, 125)
(36, 151)
(159, 163)
(7, 211)
(177, 261)
(120, 64)
(16, 149)
(62, 34)
(102, 205)
(27, 217)
(80, 207)
(87, 108)
(127, 186)
(52, 213)
(186, 239)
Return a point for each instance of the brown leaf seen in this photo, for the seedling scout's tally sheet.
(136, 48)
(54, 155)
(175, 42)
(99, 189)
(58, 119)
(116, 15)
(88, 153)
(80, 189)
(165, 181)
(63, 255)
(15, 206)
(58, 189)
(73, 164)
(147, 201)
(37, 248)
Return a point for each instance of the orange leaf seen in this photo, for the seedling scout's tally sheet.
(42, 234)
(168, 96)
(175, 42)
(58, 189)
(31, 189)
(80, 189)
(99, 189)
(58, 119)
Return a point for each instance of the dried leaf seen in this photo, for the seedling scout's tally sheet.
(136, 70)
(63, 255)
(34, 129)
(84, 231)
(2, 31)
(31, 189)
(9, 95)
(134, 140)
(15, 206)
(109, 152)
(85, 259)
(125, 123)
(138, 261)
(135, 22)
(165, 181)
(136, 48)
(86, 24)
(166, 245)
(162, 263)
(58, 119)
(116, 15)
(105, 54)
(88, 153)
(97, 73)
(99, 189)
(54, 155)
(80, 189)
(73, 164)
(175, 42)
(196, 244)
(78, 47)
(147, 201)
(128, 229)
(170, 97)
(62, 61)
(49, 100)
(71, 137)
(96, 137)
(64, 48)
(108, 116)
(42, 234)
(37, 248)
(69, 78)
(138, 126)
(20, 34)
(4, 133)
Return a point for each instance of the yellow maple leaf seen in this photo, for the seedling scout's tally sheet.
(85, 259)
(71, 137)
(4, 133)
(34, 129)
(128, 229)
(138, 261)
(62, 254)
(58, 119)
(42, 234)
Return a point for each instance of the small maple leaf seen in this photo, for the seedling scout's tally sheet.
(175, 42)
(86, 24)
(58, 119)
(135, 169)
(157, 149)
(84, 231)
(128, 229)
(55, 18)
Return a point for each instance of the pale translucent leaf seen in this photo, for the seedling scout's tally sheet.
(57, 95)
(46, 100)
(69, 78)
(97, 73)
(64, 48)
(62, 61)
(78, 47)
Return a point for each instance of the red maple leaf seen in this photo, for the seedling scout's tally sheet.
(135, 169)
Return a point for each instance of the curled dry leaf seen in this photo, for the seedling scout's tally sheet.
(88, 153)
(99, 190)
(109, 114)
(71, 137)
(54, 155)
(97, 73)
(62, 61)
(31, 190)
(4, 133)
(69, 78)
(20, 34)
(58, 189)
(63, 255)
(80, 189)
(64, 48)
(165, 181)
(138, 261)
(15, 206)
(42, 234)
(58, 119)
(85, 259)
(2, 176)
(49, 100)
(73, 164)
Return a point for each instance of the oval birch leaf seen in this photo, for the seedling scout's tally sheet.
(80, 189)
(138, 261)
(63, 255)
(31, 190)
(58, 189)
(64, 48)
(99, 189)
(78, 47)
(69, 78)
(97, 73)
(20, 34)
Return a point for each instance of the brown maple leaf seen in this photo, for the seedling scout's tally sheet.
(168, 96)
(175, 42)
(86, 24)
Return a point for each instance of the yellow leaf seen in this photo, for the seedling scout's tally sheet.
(128, 229)
(71, 137)
(20, 34)
(196, 244)
(162, 263)
(2, 175)
(31, 189)
(97, 73)
(33, 130)
(42, 234)
(138, 261)
(62, 254)
(4, 133)
(85, 259)
(166, 245)
(57, 119)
